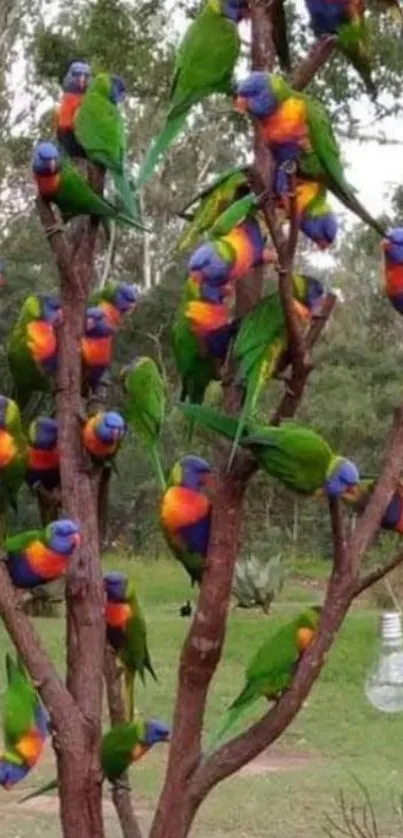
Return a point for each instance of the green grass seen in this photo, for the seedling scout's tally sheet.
(336, 733)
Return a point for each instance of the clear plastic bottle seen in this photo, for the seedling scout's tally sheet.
(384, 683)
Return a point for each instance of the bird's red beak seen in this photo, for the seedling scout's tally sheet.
(196, 276)
(241, 104)
(90, 323)
(59, 318)
(352, 493)
(385, 243)
(77, 539)
(52, 166)
(138, 751)
(82, 81)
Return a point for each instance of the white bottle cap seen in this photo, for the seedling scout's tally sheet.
(391, 626)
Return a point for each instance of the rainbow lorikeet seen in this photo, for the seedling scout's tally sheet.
(120, 746)
(43, 456)
(25, 725)
(74, 85)
(230, 257)
(359, 498)
(117, 300)
(201, 333)
(297, 129)
(315, 216)
(185, 513)
(297, 456)
(346, 19)
(393, 267)
(211, 201)
(32, 346)
(36, 557)
(102, 435)
(262, 339)
(59, 182)
(204, 65)
(144, 406)
(99, 128)
(126, 632)
(13, 455)
(272, 668)
(96, 347)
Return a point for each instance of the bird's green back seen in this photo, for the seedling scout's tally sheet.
(20, 541)
(76, 196)
(117, 747)
(19, 704)
(292, 453)
(99, 125)
(213, 200)
(144, 405)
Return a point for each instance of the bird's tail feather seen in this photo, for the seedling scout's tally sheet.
(128, 203)
(53, 784)
(347, 197)
(156, 461)
(232, 716)
(129, 694)
(159, 145)
(211, 419)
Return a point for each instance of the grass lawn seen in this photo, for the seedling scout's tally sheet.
(288, 790)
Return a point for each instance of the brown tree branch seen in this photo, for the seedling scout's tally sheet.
(338, 532)
(120, 791)
(318, 56)
(372, 576)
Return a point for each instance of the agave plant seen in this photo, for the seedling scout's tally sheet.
(258, 581)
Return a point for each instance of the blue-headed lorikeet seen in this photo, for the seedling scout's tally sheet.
(126, 632)
(117, 300)
(272, 668)
(96, 347)
(13, 456)
(59, 182)
(204, 65)
(102, 435)
(144, 406)
(185, 513)
(262, 339)
(43, 456)
(25, 726)
(315, 216)
(36, 557)
(393, 267)
(297, 129)
(120, 746)
(230, 257)
(74, 86)
(346, 19)
(32, 346)
(294, 454)
(99, 129)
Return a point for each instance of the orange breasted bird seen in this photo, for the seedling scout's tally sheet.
(315, 216)
(102, 435)
(230, 257)
(75, 84)
(36, 557)
(43, 457)
(393, 267)
(96, 347)
(32, 346)
(13, 455)
(185, 513)
(117, 300)
(272, 668)
(25, 726)
(126, 632)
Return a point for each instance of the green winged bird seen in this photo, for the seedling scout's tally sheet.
(59, 182)
(272, 668)
(32, 346)
(13, 457)
(144, 406)
(126, 632)
(262, 339)
(99, 129)
(294, 454)
(298, 130)
(204, 65)
(211, 201)
(122, 745)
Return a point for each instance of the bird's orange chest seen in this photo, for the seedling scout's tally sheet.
(305, 637)
(206, 317)
(8, 448)
(393, 279)
(41, 340)
(30, 746)
(287, 124)
(67, 111)
(40, 460)
(93, 444)
(48, 185)
(44, 561)
(97, 352)
(117, 614)
(113, 316)
(183, 507)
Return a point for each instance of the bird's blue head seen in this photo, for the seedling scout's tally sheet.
(213, 293)
(343, 477)
(393, 246)
(255, 95)
(314, 291)
(321, 229)
(235, 10)
(126, 297)
(155, 732)
(115, 586)
(111, 427)
(96, 324)
(42, 433)
(77, 77)
(209, 264)
(191, 472)
(118, 90)
(46, 159)
(51, 309)
(63, 536)
(11, 773)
